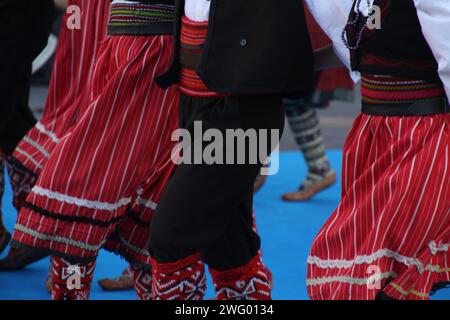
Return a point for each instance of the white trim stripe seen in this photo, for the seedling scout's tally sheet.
(29, 157)
(130, 246)
(63, 240)
(436, 248)
(366, 281)
(90, 204)
(37, 146)
(350, 280)
(146, 203)
(49, 133)
(364, 259)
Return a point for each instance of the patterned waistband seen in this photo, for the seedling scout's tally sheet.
(141, 19)
(193, 36)
(391, 90)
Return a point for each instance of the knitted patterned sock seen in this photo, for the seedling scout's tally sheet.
(71, 281)
(142, 278)
(304, 123)
(249, 282)
(182, 280)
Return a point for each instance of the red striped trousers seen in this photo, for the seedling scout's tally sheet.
(391, 230)
(104, 179)
(72, 72)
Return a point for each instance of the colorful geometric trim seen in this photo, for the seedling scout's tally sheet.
(392, 90)
(193, 36)
(140, 14)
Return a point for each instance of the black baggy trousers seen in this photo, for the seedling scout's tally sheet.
(24, 29)
(207, 208)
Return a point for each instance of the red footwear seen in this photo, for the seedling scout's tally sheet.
(269, 276)
(250, 282)
(22, 181)
(182, 280)
(142, 283)
(71, 282)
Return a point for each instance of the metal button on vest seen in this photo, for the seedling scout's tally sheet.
(243, 42)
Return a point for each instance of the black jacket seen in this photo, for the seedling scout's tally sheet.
(252, 47)
(399, 41)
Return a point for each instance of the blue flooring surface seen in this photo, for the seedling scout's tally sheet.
(287, 230)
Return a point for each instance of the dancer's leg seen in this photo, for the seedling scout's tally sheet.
(304, 123)
(202, 202)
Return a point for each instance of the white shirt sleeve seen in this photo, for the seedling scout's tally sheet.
(434, 16)
(197, 10)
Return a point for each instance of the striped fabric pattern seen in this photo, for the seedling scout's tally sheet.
(392, 90)
(391, 230)
(102, 182)
(136, 14)
(71, 75)
(193, 37)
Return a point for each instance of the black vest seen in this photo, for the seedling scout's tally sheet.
(252, 47)
(400, 39)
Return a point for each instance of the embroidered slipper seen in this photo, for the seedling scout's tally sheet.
(122, 283)
(311, 188)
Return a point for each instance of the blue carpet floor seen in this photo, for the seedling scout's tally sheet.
(287, 230)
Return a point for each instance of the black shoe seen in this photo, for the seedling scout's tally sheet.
(20, 258)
